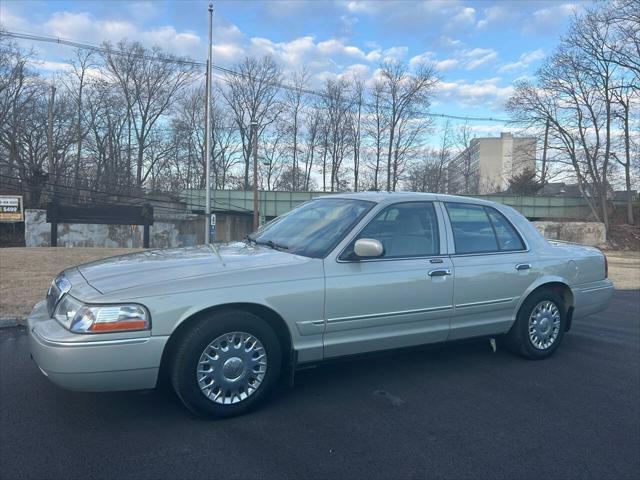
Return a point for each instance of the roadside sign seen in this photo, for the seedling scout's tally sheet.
(212, 230)
(11, 208)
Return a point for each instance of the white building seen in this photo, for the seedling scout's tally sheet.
(488, 164)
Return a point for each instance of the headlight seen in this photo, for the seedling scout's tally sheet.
(81, 318)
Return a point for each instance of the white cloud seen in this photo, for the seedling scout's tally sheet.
(448, 64)
(496, 15)
(478, 57)
(423, 58)
(448, 42)
(545, 19)
(486, 93)
(395, 53)
(465, 17)
(525, 60)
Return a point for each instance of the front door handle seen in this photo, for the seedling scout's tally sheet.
(440, 272)
(523, 266)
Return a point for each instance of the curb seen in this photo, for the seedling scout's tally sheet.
(6, 322)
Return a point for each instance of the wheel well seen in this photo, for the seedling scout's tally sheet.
(565, 293)
(274, 320)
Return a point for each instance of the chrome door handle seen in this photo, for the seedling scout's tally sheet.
(523, 266)
(439, 273)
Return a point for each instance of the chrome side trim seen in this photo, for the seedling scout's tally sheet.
(488, 302)
(593, 289)
(389, 314)
(98, 343)
(310, 327)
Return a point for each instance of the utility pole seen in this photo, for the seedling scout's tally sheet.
(254, 128)
(207, 127)
(543, 174)
(52, 180)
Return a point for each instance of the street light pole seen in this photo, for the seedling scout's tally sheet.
(207, 128)
(254, 128)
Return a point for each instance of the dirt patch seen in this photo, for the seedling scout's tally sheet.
(25, 273)
(624, 269)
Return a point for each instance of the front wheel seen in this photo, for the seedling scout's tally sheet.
(539, 326)
(226, 364)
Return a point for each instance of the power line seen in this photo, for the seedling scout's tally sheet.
(63, 193)
(228, 71)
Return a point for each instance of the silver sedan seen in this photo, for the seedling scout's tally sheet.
(337, 276)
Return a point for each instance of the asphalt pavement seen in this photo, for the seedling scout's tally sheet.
(453, 412)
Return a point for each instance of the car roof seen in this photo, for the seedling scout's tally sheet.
(392, 197)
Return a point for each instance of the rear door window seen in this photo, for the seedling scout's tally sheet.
(472, 230)
(479, 229)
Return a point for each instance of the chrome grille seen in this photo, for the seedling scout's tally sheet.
(59, 286)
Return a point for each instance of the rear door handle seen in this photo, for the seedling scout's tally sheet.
(440, 272)
(523, 266)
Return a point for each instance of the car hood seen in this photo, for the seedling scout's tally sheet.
(173, 265)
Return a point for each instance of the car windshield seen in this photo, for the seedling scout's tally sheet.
(313, 228)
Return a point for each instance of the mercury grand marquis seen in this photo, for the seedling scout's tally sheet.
(337, 276)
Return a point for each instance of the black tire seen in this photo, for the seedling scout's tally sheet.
(518, 339)
(191, 346)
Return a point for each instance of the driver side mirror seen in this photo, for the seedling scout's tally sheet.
(368, 248)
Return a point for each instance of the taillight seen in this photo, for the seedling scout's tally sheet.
(606, 266)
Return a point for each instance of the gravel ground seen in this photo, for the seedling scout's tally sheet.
(25, 273)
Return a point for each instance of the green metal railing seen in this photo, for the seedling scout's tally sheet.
(273, 204)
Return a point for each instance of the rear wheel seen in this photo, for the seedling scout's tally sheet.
(226, 364)
(539, 326)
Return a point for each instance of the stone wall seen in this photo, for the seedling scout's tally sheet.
(586, 233)
(167, 231)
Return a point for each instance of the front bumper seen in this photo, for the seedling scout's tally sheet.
(93, 363)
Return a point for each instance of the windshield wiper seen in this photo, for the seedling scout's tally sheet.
(250, 239)
(272, 244)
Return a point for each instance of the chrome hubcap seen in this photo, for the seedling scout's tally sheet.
(232, 367)
(544, 325)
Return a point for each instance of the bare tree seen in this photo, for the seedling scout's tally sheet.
(336, 106)
(376, 129)
(296, 99)
(356, 127)
(406, 98)
(149, 80)
(429, 172)
(252, 95)
(575, 91)
(273, 159)
(81, 63)
(626, 101)
(464, 164)
(313, 127)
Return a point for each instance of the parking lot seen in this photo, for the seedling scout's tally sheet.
(455, 412)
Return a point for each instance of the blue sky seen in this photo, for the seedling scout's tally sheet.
(478, 47)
